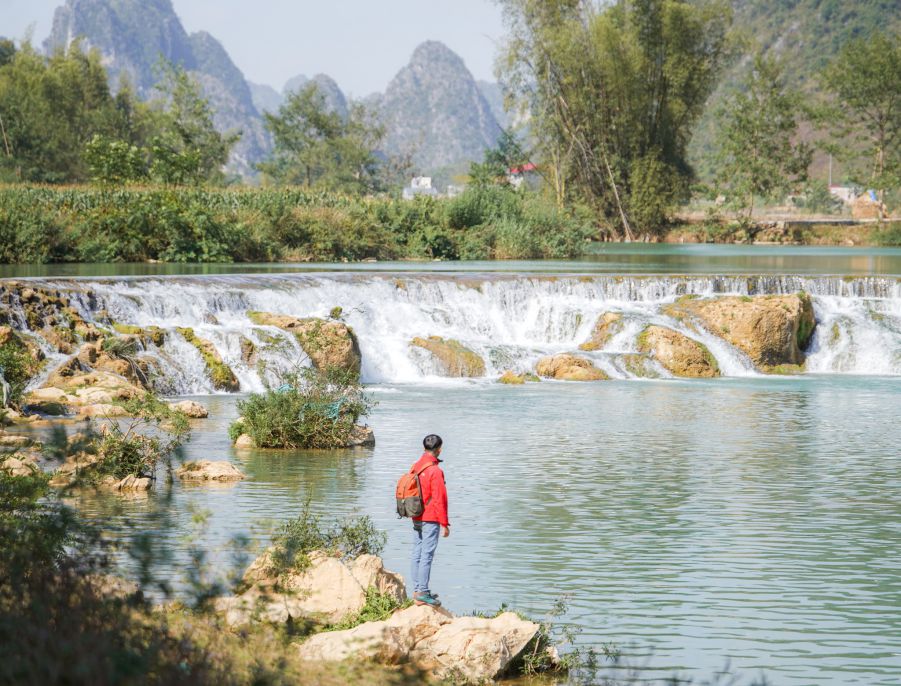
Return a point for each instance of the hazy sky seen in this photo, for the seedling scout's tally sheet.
(360, 43)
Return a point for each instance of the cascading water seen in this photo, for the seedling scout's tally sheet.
(510, 321)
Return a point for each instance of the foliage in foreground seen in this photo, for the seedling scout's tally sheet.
(81, 224)
(311, 409)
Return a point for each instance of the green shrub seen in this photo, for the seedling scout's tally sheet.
(889, 234)
(349, 537)
(312, 409)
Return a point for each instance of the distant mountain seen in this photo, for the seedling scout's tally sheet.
(433, 108)
(494, 96)
(132, 36)
(265, 98)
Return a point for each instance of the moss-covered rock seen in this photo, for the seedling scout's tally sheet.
(48, 313)
(330, 344)
(516, 379)
(772, 330)
(640, 366)
(221, 375)
(678, 353)
(149, 334)
(454, 358)
(566, 367)
(607, 324)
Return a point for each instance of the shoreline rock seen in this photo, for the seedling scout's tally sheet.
(207, 470)
(330, 344)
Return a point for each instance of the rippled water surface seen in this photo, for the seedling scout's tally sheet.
(749, 522)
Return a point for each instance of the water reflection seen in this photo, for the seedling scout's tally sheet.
(610, 258)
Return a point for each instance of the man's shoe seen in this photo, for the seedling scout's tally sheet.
(426, 598)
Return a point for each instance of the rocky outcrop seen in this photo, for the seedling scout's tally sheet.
(772, 330)
(567, 367)
(678, 353)
(20, 464)
(48, 313)
(89, 394)
(221, 375)
(361, 437)
(607, 324)
(206, 470)
(453, 358)
(326, 592)
(465, 649)
(192, 409)
(330, 344)
(80, 468)
(516, 379)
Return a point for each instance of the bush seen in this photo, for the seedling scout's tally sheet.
(349, 537)
(311, 409)
(889, 234)
(17, 366)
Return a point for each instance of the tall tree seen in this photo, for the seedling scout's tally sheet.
(188, 149)
(865, 79)
(612, 93)
(315, 147)
(759, 154)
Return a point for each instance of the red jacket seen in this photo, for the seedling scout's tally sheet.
(434, 492)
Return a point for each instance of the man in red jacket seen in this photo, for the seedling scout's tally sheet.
(432, 522)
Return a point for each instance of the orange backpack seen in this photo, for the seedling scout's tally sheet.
(409, 493)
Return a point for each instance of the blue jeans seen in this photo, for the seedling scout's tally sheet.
(425, 541)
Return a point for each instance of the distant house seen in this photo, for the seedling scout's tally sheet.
(517, 176)
(419, 185)
(847, 194)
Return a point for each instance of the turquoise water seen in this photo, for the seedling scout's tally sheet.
(752, 523)
(607, 258)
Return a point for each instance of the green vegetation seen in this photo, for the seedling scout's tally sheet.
(134, 447)
(60, 123)
(758, 155)
(297, 538)
(889, 234)
(865, 80)
(378, 607)
(41, 224)
(312, 408)
(613, 92)
(18, 364)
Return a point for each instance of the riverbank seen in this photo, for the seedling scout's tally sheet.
(789, 231)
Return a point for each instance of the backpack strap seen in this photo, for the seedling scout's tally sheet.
(417, 474)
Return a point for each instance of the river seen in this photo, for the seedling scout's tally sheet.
(748, 522)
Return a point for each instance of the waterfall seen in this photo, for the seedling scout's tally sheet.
(510, 320)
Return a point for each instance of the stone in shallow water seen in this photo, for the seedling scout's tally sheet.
(206, 470)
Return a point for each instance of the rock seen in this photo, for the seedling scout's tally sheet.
(330, 344)
(475, 648)
(221, 375)
(771, 329)
(329, 590)
(512, 378)
(71, 391)
(20, 465)
(455, 359)
(640, 366)
(678, 353)
(13, 440)
(361, 437)
(388, 642)
(102, 410)
(248, 352)
(567, 367)
(206, 470)
(129, 483)
(463, 649)
(192, 409)
(245, 441)
(607, 324)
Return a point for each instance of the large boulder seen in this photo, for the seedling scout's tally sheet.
(329, 343)
(772, 330)
(192, 409)
(464, 649)
(221, 375)
(607, 324)
(453, 358)
(388, 642)
(678, 353)
(206, 470)
(567, 367)
(327, 591)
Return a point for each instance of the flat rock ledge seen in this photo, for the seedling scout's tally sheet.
(566, 367)
(466, 649)
(206, 470)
